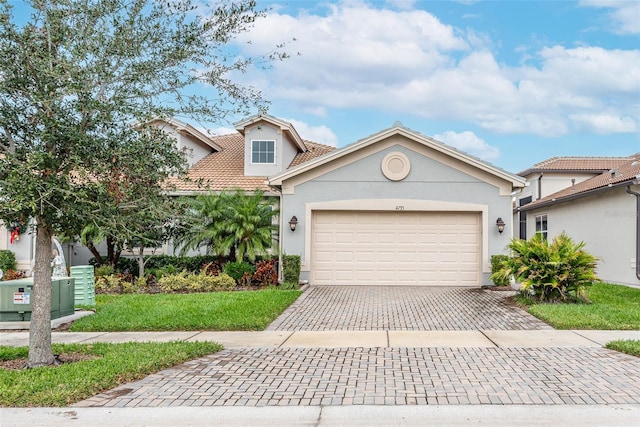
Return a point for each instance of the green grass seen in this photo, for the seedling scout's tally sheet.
(631, 347)
(69, 383)
(215, 311)
(612, 307)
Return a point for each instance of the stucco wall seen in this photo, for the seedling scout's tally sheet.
(430, 185)
(284, 150)
(606, 222)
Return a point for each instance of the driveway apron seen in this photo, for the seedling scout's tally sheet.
(397, 308)
(285, 376)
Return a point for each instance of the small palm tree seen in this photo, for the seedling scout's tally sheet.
(236, 224)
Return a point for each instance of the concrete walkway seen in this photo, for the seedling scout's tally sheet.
(337, 339)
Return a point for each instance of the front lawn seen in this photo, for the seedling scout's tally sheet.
(631, 347)
(111, 365)
(215, 311)
(612, 307)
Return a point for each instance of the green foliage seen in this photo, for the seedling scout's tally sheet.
(497, 263)
(184, 282)
(120, 284)
(289, 285)
(111, 365)
(104, 270)
(556, 271)
(238, 269)
(214, 311)
(233, 224)
(7, 260)
(291, 268)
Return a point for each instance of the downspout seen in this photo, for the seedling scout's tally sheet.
(637, 228)
(540, 186)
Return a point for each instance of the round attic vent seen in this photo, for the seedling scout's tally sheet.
(396, 166)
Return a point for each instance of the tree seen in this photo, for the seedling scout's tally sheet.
(237, 225)
(78, 82)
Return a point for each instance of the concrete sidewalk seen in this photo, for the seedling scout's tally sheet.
(337, 339)
(362, 415)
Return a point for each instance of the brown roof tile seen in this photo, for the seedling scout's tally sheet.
(586, 164)
(621, 173)
(225, 169)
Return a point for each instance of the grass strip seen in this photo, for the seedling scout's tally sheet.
(612, 307)
(215, 311)
(71, 382)
(631, 347)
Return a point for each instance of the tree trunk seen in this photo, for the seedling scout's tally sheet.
(40, 352)
(141, 262)
(96, 255)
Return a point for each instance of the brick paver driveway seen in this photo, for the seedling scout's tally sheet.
(360, 308)
(392, 375)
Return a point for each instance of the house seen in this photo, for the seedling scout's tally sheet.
(396, 208)
(594, 200)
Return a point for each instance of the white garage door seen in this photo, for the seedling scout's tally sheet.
(396, 248)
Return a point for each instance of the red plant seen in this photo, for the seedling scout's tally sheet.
(265, 273)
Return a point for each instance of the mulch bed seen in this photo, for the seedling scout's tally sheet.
(64, 358)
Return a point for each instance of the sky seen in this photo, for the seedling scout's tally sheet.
(511, 82)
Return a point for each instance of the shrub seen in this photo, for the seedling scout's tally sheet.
(7, 260)
(238, 269)
(174, 283)
(13, 275)
(550, 272)
(289, 286)
(265, 273)
(291, 268)
(188, 282)
(104, 270)
(120, 284)
(497, 262)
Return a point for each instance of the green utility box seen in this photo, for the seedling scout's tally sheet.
(16, 299)
(85, 288)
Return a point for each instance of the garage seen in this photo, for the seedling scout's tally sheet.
(396, 248)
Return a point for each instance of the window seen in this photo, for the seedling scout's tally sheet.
(263, 151)
(541, 225)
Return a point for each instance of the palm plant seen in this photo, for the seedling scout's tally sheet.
(556, 271)
(233, 224)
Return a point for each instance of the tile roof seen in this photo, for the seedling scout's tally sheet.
(624, 172)
(225, 169)
(594, 164)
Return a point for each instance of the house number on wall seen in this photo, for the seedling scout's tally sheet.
(399, 208)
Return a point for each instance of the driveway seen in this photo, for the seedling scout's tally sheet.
(402, 308)
(405, 375)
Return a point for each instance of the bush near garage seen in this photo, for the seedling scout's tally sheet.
(498, 262)
(556, 271)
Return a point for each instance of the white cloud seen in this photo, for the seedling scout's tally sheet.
(604, 123)
(321, 134)
(625, 14)
(470, 143)
(409, 62)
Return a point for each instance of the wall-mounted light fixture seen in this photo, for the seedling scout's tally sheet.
(500, 225)
(293, 222)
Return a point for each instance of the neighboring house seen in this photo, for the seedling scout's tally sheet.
(396, 208)
(555, 174)
(601, 210)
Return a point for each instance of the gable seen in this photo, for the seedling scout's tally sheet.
(430, 161)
